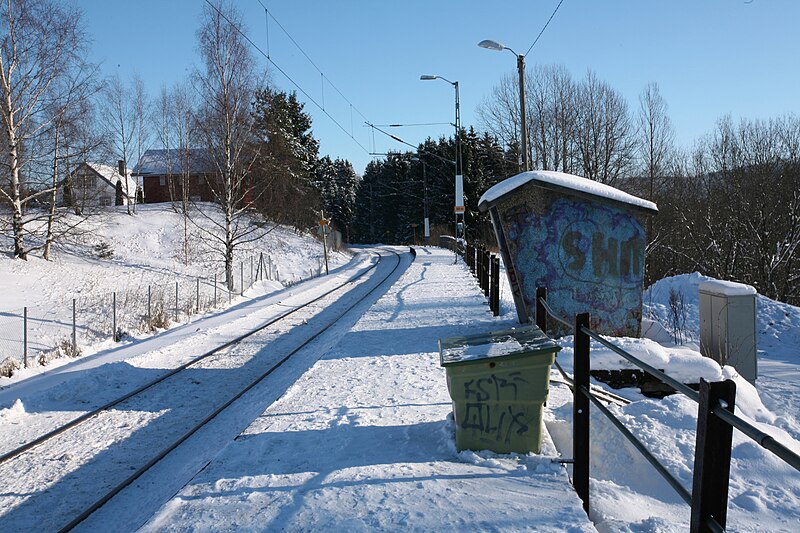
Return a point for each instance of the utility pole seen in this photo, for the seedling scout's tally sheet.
(526, 164)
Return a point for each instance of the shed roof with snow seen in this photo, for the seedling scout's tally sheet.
(566, 184)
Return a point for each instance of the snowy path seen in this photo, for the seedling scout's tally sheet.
(362, 440)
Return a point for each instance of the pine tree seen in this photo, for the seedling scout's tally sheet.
(287, 165)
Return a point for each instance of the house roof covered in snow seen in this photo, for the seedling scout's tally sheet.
(111, 175)
(567, 183)
(163, 162)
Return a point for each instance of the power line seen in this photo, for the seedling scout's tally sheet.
(413, 125)
(322, 74)
(398, 139)
(324, 78)
(545, 27)
(286, 75)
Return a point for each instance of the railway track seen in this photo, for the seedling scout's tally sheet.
(99, 453)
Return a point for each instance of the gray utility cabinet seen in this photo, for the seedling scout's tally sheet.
(728, 325)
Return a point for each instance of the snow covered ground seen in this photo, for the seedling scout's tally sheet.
(147, 250)
(363, 439)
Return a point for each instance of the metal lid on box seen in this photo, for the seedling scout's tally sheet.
(505, 344)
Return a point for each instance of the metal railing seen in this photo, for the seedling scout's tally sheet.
(715, 422)
(485, 266)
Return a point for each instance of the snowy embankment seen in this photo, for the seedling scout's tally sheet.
(142, 259)
(626, 492)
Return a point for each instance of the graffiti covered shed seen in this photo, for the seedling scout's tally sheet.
(582, 240)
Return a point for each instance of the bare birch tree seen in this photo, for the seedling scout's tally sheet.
(183, 120)
(225, 84)
(38, 38)
(118, 114)
(604, 134)
(656, 135)
(141, 118)
(69, 104)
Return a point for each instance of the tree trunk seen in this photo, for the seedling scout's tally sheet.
(53, 198)
(17, 223)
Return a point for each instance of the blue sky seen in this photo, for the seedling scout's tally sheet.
(710, 57)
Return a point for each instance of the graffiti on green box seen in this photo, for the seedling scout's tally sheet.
(485, 411)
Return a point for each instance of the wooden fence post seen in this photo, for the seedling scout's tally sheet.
(580, 411)
(712, 456)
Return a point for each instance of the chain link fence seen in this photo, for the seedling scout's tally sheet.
(35, 335)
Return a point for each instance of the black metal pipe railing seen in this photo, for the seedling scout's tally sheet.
(763, 439)
(673, 482)
(716, 420)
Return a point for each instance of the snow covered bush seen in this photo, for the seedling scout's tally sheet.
(103, 250)
(8, 367)
(68, 349)
(677, 315)
(159, 315)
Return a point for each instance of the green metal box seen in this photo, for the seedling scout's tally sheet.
(498, 382)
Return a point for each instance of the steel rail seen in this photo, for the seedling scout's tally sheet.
(91, 414)
(164, 452)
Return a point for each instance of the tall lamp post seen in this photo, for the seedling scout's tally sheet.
(426, 221)
(459, 203)
(494, 45)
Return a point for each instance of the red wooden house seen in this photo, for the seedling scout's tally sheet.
(164, 172)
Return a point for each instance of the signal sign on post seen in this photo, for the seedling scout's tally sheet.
(458, 209)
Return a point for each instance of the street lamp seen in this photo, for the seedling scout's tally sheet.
(424, 198)
(498, 47)
(459, 204)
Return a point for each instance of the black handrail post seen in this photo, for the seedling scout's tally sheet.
(712, 456)
(486, 261)
(479, 274)
(496, 285)
(580, 411)
(541, 314)
(490, 279)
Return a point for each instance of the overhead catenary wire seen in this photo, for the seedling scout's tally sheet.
(544, 27)
(413, 125)
(321, 106)
(286, 74)
(322, 74)
(398, 139)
